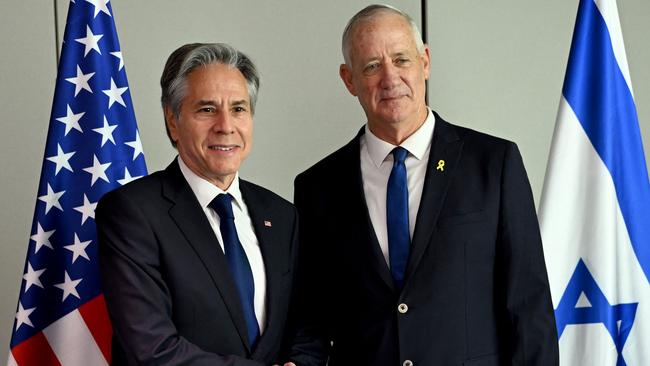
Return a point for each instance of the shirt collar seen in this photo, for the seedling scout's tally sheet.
(416, 144)
(205, 191)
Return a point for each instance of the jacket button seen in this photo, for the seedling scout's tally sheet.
(403, 308)
(408, 363)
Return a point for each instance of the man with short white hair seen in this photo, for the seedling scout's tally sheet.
(419, 238)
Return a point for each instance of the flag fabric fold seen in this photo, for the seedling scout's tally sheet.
(595, 206)
(92, 147)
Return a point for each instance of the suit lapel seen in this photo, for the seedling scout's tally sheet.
(261, 215)
(357, 198)
(191, 221)
(446, 148)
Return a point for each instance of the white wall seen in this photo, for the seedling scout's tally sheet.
(497, 66)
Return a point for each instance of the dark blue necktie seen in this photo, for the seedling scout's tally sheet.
(238, 263)
(397, 217)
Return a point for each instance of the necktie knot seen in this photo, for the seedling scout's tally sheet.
(222, 205)
(399, 154)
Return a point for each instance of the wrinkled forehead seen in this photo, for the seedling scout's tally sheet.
(216, 79)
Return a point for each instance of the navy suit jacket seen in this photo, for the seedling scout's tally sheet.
(169, 292)
(476, 290)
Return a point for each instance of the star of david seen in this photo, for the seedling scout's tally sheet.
(617, 319)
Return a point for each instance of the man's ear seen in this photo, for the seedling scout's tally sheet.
(346, 76)
(172, 123)
(426, 61)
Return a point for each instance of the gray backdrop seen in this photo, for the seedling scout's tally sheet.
(497, 66)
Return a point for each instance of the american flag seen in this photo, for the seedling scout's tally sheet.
(92, 147)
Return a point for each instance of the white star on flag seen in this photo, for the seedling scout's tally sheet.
(106, 132)
(78, 249)
(87, 209)
(118, 54)
(100, 5)
(81, 81)
(71, 120)
(61, 159)
(98, 170)
(51, 199)
(42, 238)
(22, 316)
(32, 277)
(127, 177)
(69, 287)
(115, 94)
(91, 41)
(136, 145)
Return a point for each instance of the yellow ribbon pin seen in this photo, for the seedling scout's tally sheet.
(441, 165)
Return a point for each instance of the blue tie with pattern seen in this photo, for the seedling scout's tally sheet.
(238, 263)
(397, 217)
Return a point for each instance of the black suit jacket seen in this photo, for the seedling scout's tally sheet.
(476, 290)
(169, 292)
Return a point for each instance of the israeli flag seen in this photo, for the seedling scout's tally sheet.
(595, 206)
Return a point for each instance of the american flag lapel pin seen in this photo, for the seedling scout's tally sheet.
(267, 223)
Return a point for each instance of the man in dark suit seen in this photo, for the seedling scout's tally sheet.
(419, 239)
(196, 263)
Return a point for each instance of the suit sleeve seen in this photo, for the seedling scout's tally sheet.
(137, 298)
(308, 334)
(528, 300)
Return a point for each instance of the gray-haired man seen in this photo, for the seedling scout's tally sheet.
(196, 263)
(436, 257)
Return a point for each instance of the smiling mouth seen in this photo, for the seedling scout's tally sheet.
(222, 147)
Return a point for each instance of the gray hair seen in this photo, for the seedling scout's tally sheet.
(368, 13)
(186, 58)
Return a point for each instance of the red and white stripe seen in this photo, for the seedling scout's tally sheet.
(81, 338)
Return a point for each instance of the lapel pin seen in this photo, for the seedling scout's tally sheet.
(441, 165)
(267, 223)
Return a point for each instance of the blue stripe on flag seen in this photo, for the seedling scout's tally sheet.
(598, 94)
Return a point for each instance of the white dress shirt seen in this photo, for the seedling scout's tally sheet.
(376, 165)
(205, 192)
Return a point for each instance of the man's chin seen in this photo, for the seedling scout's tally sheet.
(395, 115)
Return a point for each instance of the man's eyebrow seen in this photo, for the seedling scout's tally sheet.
(240, 102)
(370, 59)
(205, 102)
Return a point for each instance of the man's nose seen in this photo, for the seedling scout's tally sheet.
(223, 123)
(389, 75)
